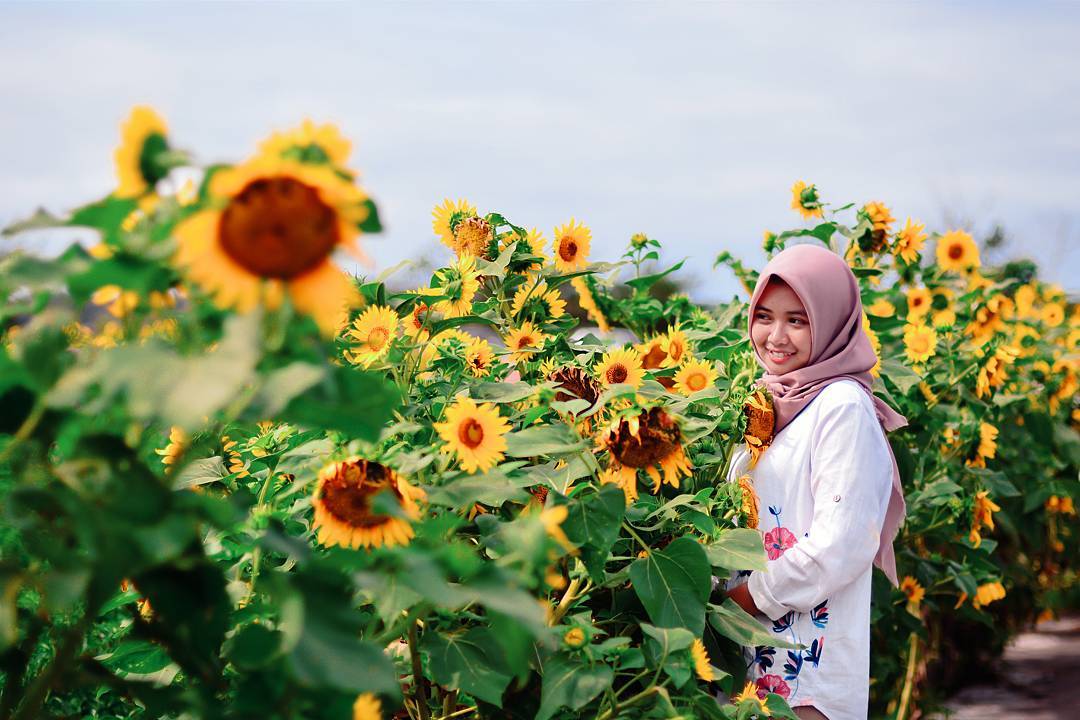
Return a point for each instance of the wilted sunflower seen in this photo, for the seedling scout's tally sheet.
(919, 302)
(909, 242)
(143, 157)
(459, 283)
(536, 289)
(178, 442)
(994, 372)
(271, 228)
(643, 442)
(957, 251)
(987, 448)
(760, 424)
(445, 215)
(982, 514)
(694, 376)
(804, 199)
(574, 384)
(920, 342)
(571, 246)
(367, 707)
(475, 433)
(472, 237)
(524, 342)
(588, 303)
(479, 357)
(343, 500)
(371, 333)
(309, 143)
(620, 366)
(702, 667)
(748, 503)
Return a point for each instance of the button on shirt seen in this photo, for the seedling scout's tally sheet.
(822, 489)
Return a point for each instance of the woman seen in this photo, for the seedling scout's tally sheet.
(827, 487)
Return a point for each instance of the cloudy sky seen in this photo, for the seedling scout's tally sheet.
(687, 121)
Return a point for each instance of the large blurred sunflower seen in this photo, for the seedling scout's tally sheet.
(309, 143)
(371, 333)
(271, 228)
(444, 216)
(143, 156)
(344, 499)
(956, 250)
(571, 246)
(475, 433)
(620, 366)
(694, 376)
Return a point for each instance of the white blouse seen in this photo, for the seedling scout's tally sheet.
(823, 488)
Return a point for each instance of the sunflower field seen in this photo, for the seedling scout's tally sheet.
(237, 481)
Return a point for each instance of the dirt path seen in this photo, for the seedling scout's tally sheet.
(1039, 679)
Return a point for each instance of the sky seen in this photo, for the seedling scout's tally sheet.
(686, 121)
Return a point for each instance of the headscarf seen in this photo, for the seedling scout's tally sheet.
(839, 350)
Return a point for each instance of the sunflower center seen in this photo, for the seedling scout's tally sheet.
(616, 374)
(657, 438)
(956, 252)
(526, 341)
(568, 249)
(349, 493)
(471, 433)
(377, 338)
(696, 382)
(652, 359)
(278, 228)
(676, 351)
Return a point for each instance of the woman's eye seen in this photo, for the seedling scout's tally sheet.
(797, 321)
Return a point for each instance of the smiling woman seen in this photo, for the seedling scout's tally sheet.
(780, 329)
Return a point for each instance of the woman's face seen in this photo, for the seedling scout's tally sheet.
(780, 329)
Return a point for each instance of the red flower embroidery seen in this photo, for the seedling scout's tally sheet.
(772, 684)
(777, 541)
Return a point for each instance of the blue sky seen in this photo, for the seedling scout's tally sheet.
(685, 121)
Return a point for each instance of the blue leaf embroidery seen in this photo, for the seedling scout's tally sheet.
(783, 623)
(813, 653)
(820, 614)
(763, 657)
(794, 667)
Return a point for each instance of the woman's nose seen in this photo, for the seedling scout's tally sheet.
(778, 333)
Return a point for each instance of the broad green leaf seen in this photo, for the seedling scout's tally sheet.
(544, 440)
(647, 281)
(501, 392)
(471, 661)
(200, 472)
(136, 656)
(899, 374)
(356, 403)
(737, 549)
(673, 584)
(278, 387)
(733, 622)
(491, 488)
(253, 646)
(570, 683)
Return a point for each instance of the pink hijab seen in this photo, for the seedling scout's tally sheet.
(839, 350)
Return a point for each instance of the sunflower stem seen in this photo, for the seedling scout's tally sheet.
(626, 526)
(25, 430)
(633, 699)
(909, 677)
(419, 682)
(564, 604)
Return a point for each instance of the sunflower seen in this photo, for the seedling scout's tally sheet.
(523, 342)
(804, 198)
(956, 250)
(271, 227)
(459, 283)
(343, 500)
(987, 448)
(444, 216)
(552, 519)
(236, 464)
(702, 667)
(416, 325)
(881, 221)
(694, 376)
(652, 352)
(309, 143)
(912, 590)
(117, 301)
(760, 424)
(920, 342)
(943, 318)
(994, 372)
(881, 308)
(1052, 314)
(750, 694)
(178, 442)
(367, 707)
(919, 302)
(748, 501)
(472, 237)
(475, 433)
(620, 366)
(373, 332)
(676, 347)
(988, 593)
(571, 246)
(624, 477)
(574, 384)
(574, 638)
(1025, 297)
(478, 357)
(588, 303)
(643, 442)
(536, 289)
(990, 318)
(143, 157)
(909, 242)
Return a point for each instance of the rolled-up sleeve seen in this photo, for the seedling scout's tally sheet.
(850, 479)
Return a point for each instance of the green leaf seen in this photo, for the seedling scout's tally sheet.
(253, 646)
(667, 648)
(136, 656)
(492, 488)
(356, 403)
(570, 683)
(544, 440)
(737, 549)
(371, 222)
(593, 522)
(673, 584)
(501, 392)
(733, 622)
(41, 219)
(468, 661)
(280, 386)
(647, 281)
(200, 472)
(899, 374)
